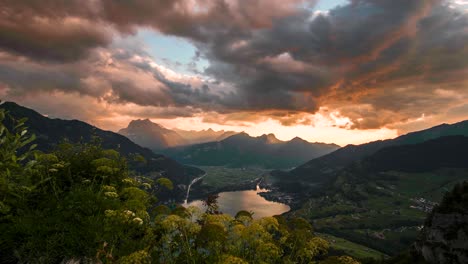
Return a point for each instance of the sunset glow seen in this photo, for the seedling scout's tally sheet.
(346, 72)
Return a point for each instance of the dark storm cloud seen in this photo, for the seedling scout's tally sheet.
(23, 76)
(384, 59)
(357, 54)
(52, 40)
(50, 30)
(112, 75)
(65, 30)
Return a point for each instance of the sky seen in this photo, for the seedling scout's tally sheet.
(334, 71)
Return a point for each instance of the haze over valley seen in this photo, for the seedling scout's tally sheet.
(156, 137)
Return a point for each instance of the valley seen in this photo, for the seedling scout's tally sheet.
(234, 131)
(52, 134)
(368, 201)
(244, 151)
(372, 198)
(379, 202)
(232, 202)
(222, 179)
(391, 215)
(387, 221)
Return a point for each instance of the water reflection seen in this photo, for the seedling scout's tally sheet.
(233, 202)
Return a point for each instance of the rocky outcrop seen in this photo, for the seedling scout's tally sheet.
(444, 238)
(151, 135)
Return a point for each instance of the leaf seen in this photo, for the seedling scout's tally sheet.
(21, 122)
(165, 182)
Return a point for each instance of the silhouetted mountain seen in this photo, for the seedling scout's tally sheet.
(242, 150)
(223, 136)
(203, 136)
(151, 135)
(391, 190)
(51, 132)
(450, 152)
(322, 169)
(428, 156)
(447, 151)
(156, 137)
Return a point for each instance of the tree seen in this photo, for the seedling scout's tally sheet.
(81, 203)
(211, 204)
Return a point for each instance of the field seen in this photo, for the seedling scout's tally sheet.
(384, 219)
(349, 248)
(388, 211)
(221, 177)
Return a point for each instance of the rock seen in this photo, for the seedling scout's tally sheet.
(444, 238)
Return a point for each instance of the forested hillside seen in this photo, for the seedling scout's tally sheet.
(242, 150)
(80, 203)
(382, 200)
(316, 173)
(50, 133)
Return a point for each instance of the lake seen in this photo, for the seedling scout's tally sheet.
(233, 202)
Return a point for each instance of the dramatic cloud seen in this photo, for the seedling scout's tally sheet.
(374, 63)
(388, 55)
(65, 30)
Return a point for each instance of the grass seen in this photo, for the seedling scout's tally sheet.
(429, 185)
(350, 248)
(219, 177)
(385, 210)
(351, 225)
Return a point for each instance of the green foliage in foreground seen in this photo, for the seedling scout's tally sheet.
(80, 203)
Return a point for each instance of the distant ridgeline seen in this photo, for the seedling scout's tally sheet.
(323, 170)
(242, 150)
(80, 204)
(50, 132)
(156, 137)
(224, 148)
(378, 194)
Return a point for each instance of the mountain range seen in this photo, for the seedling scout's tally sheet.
(156, 137)
(319, 171)
(381, 200)
(203, 136)
(51, 132)
(242, 150)
(376, 194)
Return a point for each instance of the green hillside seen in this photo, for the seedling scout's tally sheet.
(242, 150)
(380, 202)
(81, 204)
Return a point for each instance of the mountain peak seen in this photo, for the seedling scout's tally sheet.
(270, 138)
(24, 111)
(146, 120)
(241, 134)
(154, 136)
(143, 123)
(297, 139)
